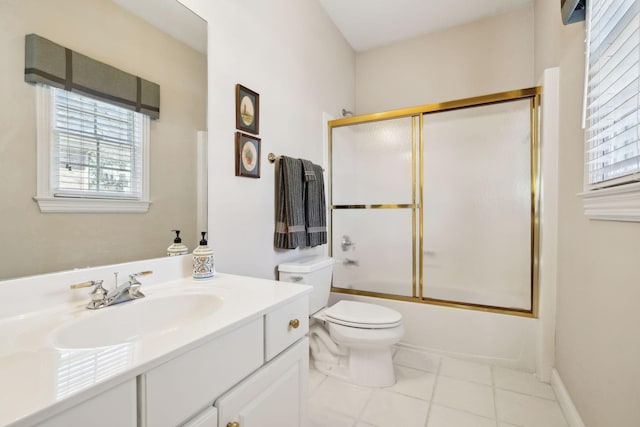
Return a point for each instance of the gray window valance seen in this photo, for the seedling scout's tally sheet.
(51, 64)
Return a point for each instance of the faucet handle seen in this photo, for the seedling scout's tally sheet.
(142, 273)
(134, 285)
(98, 294)
(86, 284)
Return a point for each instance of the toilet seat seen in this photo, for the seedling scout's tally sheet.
(362, 315)
(365, 338)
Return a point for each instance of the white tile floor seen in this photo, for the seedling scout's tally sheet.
(436, 391)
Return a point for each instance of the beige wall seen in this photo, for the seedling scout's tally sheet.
(290, 53)
(487, 56)
(33, 242)
(597, 342)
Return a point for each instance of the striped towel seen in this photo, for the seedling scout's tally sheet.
(290, 215)
(309, 173)
(315, 209)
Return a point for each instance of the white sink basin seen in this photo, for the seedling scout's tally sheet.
(129, 321)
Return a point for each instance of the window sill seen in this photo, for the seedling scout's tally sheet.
(620, 203)
(80, 205)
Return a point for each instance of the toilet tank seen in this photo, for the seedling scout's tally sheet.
(315, 271)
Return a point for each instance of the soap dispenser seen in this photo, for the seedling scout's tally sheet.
(203, 267)
(177, 247)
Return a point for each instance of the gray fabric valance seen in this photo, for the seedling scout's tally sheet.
(51, 64)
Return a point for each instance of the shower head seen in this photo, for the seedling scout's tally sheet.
(346, 113)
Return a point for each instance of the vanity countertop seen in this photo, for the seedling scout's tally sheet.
(38, 378)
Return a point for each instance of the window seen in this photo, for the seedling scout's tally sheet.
(95, 147)
(613, 110)
(91, 155)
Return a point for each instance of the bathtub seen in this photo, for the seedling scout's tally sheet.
(495, 338)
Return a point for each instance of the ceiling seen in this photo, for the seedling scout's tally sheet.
(173, 18)
(366, 24)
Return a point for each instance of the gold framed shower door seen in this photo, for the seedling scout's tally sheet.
(417, 117)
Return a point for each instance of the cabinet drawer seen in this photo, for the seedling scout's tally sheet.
(175, 391)
(280, 326)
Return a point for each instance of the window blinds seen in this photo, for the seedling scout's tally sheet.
(96, 148)
(613, 92)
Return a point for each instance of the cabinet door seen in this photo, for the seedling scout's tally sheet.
(115, 407)
(207, 418)
(180, 388)
(274, 396)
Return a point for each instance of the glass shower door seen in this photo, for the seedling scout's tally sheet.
(439, 203)
(373, 207)
(477, 205)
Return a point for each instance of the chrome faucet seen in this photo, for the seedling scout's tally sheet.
(101, 298)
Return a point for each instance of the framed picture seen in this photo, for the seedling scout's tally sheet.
(247, 110)
(247, 155)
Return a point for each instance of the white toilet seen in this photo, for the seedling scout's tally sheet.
(357, 347)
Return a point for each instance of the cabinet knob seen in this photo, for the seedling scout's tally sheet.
(233, 424)
(294, 323)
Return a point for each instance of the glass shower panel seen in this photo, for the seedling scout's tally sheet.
(371, 163)
(372, 249)
(477, 214)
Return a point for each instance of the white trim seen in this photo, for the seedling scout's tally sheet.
(201, 182)
(571, 414)
(43, 129)
(326, 118)
(548, 279)
(146, 160)
(48, 202)
(621, 203)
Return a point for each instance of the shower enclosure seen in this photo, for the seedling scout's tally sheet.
(439, 203)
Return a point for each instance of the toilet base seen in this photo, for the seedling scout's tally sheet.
(370, 370)
(370, 367)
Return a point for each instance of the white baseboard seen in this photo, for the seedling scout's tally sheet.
(502, 362)
(564, 399)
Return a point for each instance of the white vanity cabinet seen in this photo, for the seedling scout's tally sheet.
(256, 374)
(232, 350)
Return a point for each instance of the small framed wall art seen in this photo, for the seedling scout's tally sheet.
(247, 155)
(247, 110)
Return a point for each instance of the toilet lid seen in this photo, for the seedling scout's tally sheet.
(360, 313)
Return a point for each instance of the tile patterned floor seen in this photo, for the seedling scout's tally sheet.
(436, 391)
